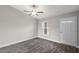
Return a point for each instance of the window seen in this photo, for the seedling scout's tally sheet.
(45, 28)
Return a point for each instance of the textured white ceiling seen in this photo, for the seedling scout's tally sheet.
(49, 10)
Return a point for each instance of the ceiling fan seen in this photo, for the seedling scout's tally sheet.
(34, 11)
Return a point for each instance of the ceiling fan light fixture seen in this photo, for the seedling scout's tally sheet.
(35, 11)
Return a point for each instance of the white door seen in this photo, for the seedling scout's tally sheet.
(68, 30)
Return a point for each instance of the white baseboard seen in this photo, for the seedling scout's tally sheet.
(49, 39)
(15, 42)
(31, 38)
(56, 41)
(77, 46)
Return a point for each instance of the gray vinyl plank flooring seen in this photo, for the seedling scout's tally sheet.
(39, 45)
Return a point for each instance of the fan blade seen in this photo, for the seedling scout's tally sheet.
(30, 14)
(40, 12)
(27, 11)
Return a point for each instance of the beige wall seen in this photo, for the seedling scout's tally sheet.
(15, 26)
(54, 28)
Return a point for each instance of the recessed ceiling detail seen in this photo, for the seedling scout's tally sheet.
(47, 10)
